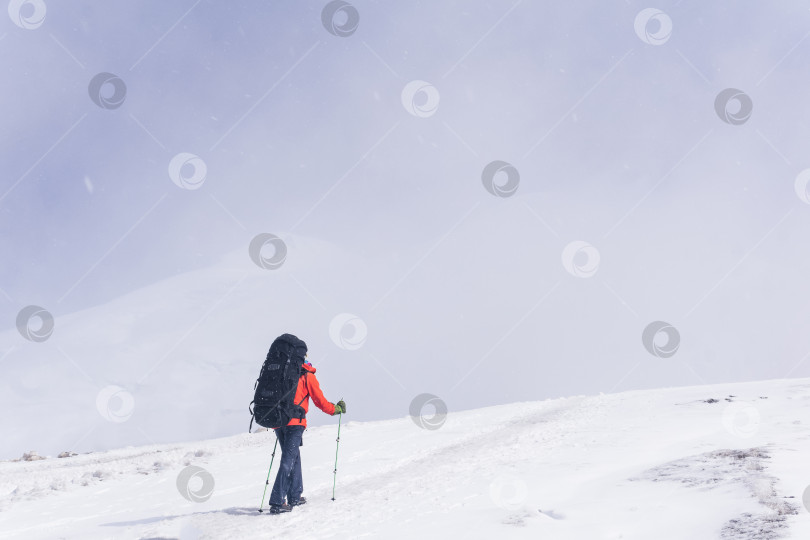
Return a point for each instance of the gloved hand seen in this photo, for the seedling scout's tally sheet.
(340, 407)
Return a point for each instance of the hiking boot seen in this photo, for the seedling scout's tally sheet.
(299, 502)
(280, 508)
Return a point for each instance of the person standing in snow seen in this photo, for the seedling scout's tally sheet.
(289, 482)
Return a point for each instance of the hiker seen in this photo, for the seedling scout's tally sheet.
(289, 483)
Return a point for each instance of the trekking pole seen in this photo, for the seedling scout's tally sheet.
(267, 482)
(334, 479)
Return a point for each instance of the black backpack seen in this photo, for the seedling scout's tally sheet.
(274, 391)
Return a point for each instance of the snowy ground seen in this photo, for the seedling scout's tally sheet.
(663, 464)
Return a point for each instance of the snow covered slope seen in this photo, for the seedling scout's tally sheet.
(148, 366)
(663, 464)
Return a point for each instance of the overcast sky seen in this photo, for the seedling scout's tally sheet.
(360, 133)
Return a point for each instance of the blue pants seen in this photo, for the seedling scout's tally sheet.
(289, 484)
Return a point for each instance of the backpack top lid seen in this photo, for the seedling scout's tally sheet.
(291, 341)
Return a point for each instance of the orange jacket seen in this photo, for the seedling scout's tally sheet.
(308, 386)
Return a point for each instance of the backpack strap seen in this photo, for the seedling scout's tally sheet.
(305, 395)
(307, 387)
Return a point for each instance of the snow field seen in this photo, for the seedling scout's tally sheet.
(644, 464)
